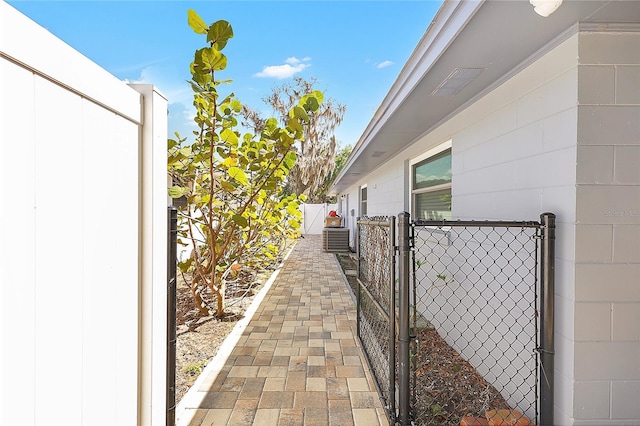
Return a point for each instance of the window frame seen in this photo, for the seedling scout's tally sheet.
(363, 201)
(413, 163)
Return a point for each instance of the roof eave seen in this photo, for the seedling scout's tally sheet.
(450, 19)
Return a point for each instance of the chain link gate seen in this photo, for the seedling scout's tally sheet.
(474, 312)
(376, 302)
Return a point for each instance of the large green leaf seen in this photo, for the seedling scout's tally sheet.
(236, 105)
(286, 140)
(292, 208)
(294, 124)
(196, 23)
(290, 159)
(177, 191)
(270, 125)
(219, 33)
(294, 224)
(312, 101)
(238, 175)
(318, 95)
(227, 186)
(311, 104)
(185, 265)
(207, 59)
(230, 162)
(230, 137)
(240, 220)
(299, 113)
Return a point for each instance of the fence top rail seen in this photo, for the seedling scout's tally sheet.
(478, 223)
(375, 221)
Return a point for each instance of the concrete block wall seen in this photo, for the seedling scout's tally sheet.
(562, 135)
(607, 293)
(514, 155)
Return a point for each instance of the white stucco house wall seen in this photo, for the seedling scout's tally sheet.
(540, 114)
(83, 237)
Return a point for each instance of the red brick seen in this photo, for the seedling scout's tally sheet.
(474, 421)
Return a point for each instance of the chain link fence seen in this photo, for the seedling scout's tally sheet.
(376, 303)
(475, 315)
(468, 325)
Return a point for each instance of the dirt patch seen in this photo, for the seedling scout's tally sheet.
(349, 264)
(200, 336)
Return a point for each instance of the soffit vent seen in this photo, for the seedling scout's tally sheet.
(376, 154)
(456, 81)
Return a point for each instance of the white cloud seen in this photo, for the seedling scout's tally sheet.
(384, 64)
(291, 67)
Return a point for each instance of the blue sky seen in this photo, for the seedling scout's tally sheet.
(355, 49)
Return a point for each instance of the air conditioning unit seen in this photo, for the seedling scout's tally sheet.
(335, 239)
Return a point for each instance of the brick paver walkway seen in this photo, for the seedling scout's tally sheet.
(298, 361)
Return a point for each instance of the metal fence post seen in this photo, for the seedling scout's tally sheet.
(403, 319)
(547, 294)
(392, 311)
(172, 255)
(358, 300)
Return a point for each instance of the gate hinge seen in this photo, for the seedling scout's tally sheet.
(541, 350)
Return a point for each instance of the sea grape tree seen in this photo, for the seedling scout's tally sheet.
(234, 214)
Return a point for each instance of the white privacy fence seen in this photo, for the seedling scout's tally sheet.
(82, 236)
(313, 216)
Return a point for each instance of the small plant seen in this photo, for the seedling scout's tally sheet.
(195, 368)
(435, 409)
(419, 263)
(440, 282)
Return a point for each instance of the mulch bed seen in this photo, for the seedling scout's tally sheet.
(447, 386)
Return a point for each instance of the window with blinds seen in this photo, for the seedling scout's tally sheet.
(363, 201)
(431, 187)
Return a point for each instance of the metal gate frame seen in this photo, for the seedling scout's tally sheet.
(546, 276)
(383, 306)
(172, 257)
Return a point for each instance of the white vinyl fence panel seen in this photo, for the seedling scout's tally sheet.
(313, 217)
(77, 174)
